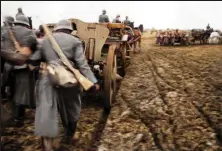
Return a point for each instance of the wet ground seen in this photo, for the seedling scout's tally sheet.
(170, 99)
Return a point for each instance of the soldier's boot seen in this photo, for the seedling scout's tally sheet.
(18, 119)
(47, 144)
(71, 132)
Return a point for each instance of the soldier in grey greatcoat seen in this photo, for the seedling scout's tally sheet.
(8, 20)
(103, 18)
(126, 22)
(117, 19)
(22, 88)
(20, 12)
(49, 96)
(5, 115)
(208, 26)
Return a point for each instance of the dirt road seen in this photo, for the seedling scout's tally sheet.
(170, 99)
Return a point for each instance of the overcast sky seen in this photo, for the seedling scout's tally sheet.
(182, 15)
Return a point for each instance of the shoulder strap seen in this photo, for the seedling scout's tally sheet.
(12, 37)
(59, 52)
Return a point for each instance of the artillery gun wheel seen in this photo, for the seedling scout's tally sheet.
(122, 61)
(110, 71)
(131, 50)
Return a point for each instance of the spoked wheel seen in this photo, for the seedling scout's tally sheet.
(130, 53)
(110, 71)
(122, 61)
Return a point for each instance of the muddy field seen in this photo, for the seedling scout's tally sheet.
(170, 99)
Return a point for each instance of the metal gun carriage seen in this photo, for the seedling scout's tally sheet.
(107, 49)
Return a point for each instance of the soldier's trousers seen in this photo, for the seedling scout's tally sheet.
(51, 101)
(69, 105)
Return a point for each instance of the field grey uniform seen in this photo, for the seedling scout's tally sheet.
(103, 18)
(126, 22)
(5, 116)
(20, 12)
(23, 94)
(49, 96)
(5, 66)
(116, 20)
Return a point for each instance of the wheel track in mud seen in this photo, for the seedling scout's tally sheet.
(155, 73)
(184, 67)
(149, 126)
(101, 117)
(157, 77)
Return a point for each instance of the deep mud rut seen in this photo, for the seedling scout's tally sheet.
(170, 99)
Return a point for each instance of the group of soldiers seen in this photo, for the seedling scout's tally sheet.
(168, 37)
(25, 72)
(103, 18)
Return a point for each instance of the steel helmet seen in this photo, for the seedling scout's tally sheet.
(19, 9)
(104, 11)
(22, 19)
(9, 19)
(63, 24)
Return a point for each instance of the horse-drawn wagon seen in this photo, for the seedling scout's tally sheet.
(201, 35)
(105, 47)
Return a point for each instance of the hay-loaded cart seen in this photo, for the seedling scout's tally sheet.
(105, 47)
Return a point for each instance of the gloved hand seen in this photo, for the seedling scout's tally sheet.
(94, 88)
(97, 87)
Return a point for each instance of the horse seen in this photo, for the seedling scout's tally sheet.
(201, 35)
(137, 36)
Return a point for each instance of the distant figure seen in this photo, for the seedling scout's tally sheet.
(117, 19)
(126, 22)
(103, 18)
(20, 12)
(208, 26)
(177, 34)
(141, 28)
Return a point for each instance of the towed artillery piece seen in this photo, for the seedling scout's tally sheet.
(171, 37)
(107, 49)
(183, 38)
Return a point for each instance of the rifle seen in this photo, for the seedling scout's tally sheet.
(20, 55)
(18, 48)
(86, 84)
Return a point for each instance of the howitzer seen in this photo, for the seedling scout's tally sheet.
(86, 84)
